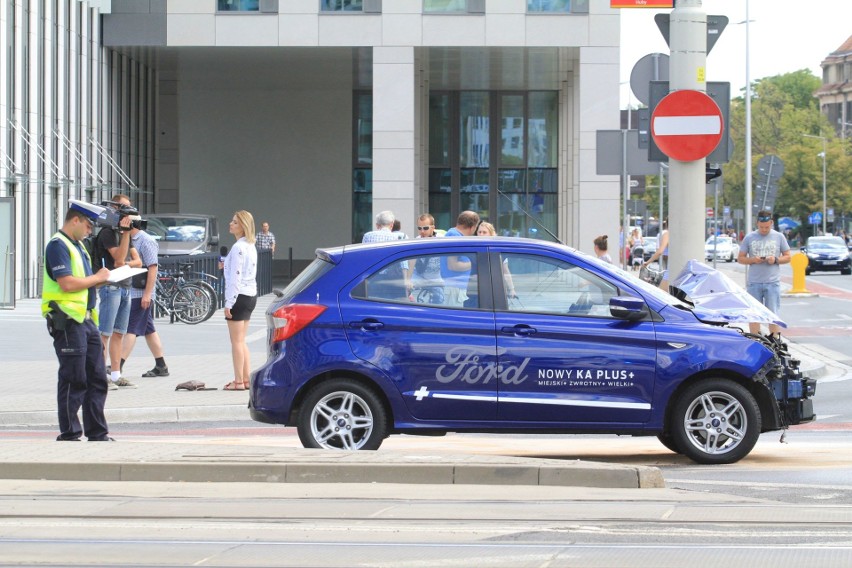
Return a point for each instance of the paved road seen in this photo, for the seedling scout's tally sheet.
(249, 524)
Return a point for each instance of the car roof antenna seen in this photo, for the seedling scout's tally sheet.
(536, 221)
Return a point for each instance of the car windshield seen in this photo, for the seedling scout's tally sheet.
(826, 244)
(177, 229)
(647, 288)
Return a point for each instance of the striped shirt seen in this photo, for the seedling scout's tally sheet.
(148, 250)
(265, 240)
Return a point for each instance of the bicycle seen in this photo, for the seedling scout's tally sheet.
(189, 301)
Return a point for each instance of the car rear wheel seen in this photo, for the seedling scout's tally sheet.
(342, 414)
(715, 421)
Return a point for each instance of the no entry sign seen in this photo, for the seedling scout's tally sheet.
(687, 125)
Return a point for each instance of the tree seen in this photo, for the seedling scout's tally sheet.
(783, 109)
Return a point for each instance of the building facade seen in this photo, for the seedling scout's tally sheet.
(835, 94)
(314, 114)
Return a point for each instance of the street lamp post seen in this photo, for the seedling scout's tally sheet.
(824, 157)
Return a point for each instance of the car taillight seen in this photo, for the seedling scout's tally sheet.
(289, 320)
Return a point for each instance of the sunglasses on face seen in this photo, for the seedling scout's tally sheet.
(424, 228)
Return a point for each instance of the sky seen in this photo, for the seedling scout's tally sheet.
(785, 36)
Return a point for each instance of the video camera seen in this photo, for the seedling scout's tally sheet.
(113, 214)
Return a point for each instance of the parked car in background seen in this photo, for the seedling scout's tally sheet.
(512, 335)
(722, 247)
(184, 233)
(827, 254)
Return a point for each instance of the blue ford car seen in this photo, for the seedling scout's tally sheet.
(430, 336)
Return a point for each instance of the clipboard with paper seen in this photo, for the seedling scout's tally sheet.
(123, 273)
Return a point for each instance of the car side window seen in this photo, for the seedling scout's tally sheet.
(440, 280)
(548, 285)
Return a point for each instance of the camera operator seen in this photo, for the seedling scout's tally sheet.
(115, 249)
(68, 303)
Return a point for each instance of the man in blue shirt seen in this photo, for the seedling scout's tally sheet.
(455, 270)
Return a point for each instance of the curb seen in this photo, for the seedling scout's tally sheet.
(142, 415)
(369, 468)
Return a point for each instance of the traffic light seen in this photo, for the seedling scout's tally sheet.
(711, 173)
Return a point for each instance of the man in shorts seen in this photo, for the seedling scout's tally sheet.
(141, 320)
(114, 249)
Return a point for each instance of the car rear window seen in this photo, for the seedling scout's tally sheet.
(307, 277)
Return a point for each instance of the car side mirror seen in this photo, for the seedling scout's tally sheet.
(214, 241)
(627, 308)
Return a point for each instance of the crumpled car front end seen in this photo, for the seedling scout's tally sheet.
(718, 300)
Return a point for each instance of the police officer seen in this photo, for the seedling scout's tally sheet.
(68, 303)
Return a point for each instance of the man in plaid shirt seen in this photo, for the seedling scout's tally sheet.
(265, 239)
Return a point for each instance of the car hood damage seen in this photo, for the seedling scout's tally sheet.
(717, 300)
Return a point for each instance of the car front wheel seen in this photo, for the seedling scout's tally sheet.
(342, 414)
(715, 421)
(668, 442)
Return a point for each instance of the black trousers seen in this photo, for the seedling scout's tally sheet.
(82, 380)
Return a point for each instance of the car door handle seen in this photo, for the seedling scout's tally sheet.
(367, 325)
(522, 330)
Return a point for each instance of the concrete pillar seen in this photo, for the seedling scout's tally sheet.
(395, 127)
(688, 41)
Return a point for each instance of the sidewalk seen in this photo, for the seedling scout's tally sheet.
(200, 352)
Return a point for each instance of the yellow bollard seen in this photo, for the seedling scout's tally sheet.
(799, 262)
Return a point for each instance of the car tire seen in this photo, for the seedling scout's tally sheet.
(668, 441)
(808, 271)
(715, 421)
(342, 414)
(846, 271)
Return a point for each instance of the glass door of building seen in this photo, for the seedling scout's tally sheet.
(7, 252)
(495, 153)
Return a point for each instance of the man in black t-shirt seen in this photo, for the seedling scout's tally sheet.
(115, 250)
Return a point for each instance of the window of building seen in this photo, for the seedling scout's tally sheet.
(474, 127)
(342, 5)
(515, 188)
(548, 5)
(239, 5)
(362, 165)
(433, 6)
(558, 6)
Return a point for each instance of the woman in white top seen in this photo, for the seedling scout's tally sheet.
(240, 294)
